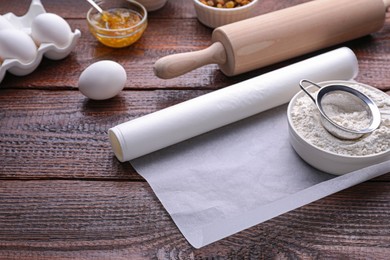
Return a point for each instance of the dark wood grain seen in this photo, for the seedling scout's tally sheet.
(63, 195)
(173, 9)
(164, 37)
(124, 220)
(68, 136)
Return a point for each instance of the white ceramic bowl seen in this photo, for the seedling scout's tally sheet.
(152, 5)
(214, 17)
(327, 161)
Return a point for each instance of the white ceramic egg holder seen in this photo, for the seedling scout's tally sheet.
(49, 50)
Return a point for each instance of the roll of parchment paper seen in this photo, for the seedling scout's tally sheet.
(216, 109)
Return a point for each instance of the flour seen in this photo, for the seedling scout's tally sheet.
(346, 110)
(306, 120)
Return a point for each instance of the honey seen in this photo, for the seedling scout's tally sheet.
(117, 27)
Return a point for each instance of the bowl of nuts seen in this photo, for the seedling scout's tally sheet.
(215, 13)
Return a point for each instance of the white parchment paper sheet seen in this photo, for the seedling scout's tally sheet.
(244, 171)
(232, 178)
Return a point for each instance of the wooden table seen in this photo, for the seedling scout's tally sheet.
(63, 194)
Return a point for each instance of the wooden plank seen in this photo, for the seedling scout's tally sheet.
(64, 195)
(62, 134)
(137, 59)
(77, 9)
(164, 37)
(124, 220)
(372, 52)
(173, 9)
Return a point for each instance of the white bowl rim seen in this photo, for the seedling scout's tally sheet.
(300, 93)
(197, 2)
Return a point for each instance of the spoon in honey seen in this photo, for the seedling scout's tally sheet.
(103, 14)
(94, 5)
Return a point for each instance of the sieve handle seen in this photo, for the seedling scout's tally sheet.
(307, 92)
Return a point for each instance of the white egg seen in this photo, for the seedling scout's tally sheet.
(15, 44)
(5, 24)
(51, 28)
(102, 80)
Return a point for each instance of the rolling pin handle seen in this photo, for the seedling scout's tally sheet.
(178, 64)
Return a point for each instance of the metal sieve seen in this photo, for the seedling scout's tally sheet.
(345, 112)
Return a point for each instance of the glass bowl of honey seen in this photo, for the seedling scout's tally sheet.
(121, 23)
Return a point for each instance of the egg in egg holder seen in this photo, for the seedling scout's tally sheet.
(50, 50)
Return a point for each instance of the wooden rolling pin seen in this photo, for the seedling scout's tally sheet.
(270, 38)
